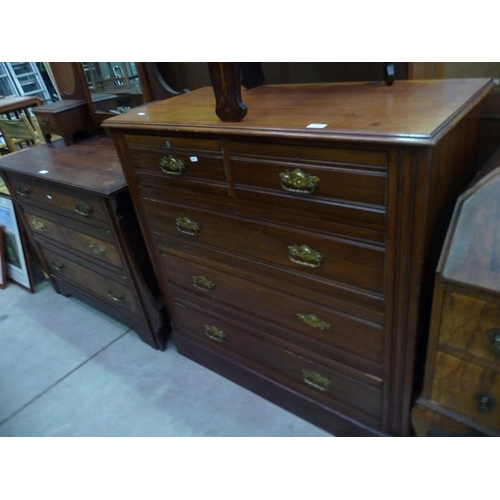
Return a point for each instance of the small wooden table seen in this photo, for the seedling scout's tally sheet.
(64, 118)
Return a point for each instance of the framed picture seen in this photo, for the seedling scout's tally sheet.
(3, 277)
(15, 260)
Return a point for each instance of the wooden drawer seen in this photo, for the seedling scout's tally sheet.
(471, 325)
(304, 323)
(345, 389)
(316, 154)
(336, 259)
(169, 143)
(47, 120)
(76, 204)
(110, 291)
(98, 248)
(335, 184)
(468, 389)
(179, 166)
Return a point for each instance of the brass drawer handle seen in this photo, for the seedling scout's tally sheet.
(214, 333)
(203, 283)
(45, 121)
(494, 335)
(314, 321)
(298, 181)
(485, 402)
(187, 226)
(316, 380)
(57, 265)
(305, 256)
(116, 296)
(23, 190)
(97, 249)
(172, 165)
(83, 208)
(39, 225)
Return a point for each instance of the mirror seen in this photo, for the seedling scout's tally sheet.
(114, 86)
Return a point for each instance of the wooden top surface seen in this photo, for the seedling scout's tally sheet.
(60, 106)
(91, 165)
(13, 103)
(471, 254)
(407, 111)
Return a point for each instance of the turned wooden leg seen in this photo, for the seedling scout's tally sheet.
(226, 83)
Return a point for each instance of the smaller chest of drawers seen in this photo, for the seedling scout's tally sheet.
(76, 208)
(461, 394)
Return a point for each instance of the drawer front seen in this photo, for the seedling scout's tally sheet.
(303, 323)
(471, 325)
(468, 389)
(108, 290)
(334, 193)
(317, 154)
(338, 260)
(337, 184)
(179, 166)
(79, 205)
(104, 251)
(46, 120)
(332, 387)
(169, 143)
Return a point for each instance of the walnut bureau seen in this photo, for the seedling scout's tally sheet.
(77, 210)
(296, 248)
(461, 394)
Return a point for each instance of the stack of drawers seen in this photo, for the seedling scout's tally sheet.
(276, 250)
(86, 231)
(313, 292)
(462, 380)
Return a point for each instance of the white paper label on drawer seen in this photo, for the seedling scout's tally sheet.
(317, 125)
(194, 159)
(43, 172)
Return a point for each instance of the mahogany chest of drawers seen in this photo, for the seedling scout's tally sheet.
(77, 210)
(461, 394)
(296, 248)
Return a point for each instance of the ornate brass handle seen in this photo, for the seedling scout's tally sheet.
(214, 333)
(172, 165)
(83, 208)
(298, 181)
(57, 265)
(485, 402)
(314, 321)
(45, 121)
(187, 226)
(23, 190)
(39, 225)
(494, 335)
(203, 283)
(316, 380)
(97, 249)
(305, 256)
(115, 295)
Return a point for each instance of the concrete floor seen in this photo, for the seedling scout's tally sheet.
(69, 370)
